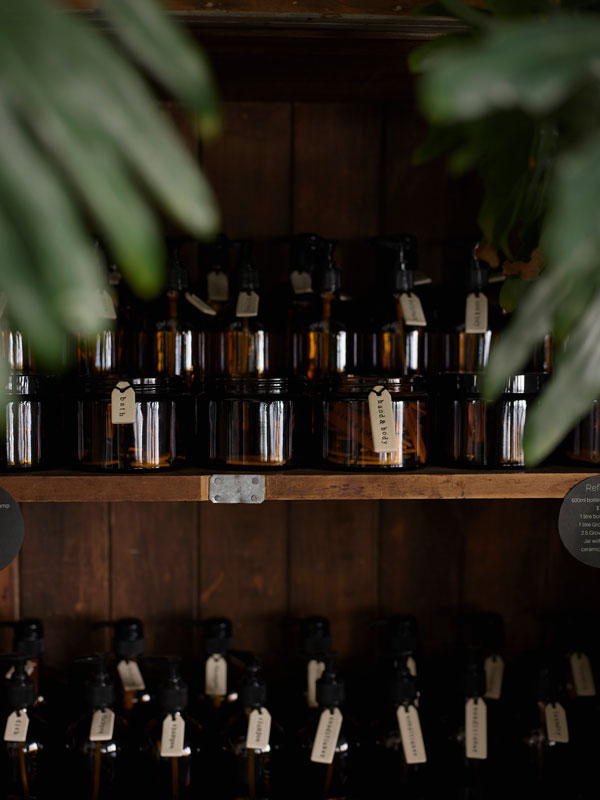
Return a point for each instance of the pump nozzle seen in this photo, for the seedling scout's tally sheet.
(28, 636)
(315, 636)
(173, 694)
(478, 274)
(128, 641)
(177, 274)
(99, 688)
(218, 636)
(253, 690)
(307, 249)
(403, 685)
(215, 255)
(330, 277)
(20, 689)
(474, 681)
(330, 689)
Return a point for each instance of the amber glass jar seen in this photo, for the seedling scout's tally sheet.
(29, 407)
(583, 443)
(478, 434)
(251, 422)
(345, 422)
(154, 439)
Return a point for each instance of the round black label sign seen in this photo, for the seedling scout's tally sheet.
(579, 521)
(12, 529)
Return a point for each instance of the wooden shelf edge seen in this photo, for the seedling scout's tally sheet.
(298, 485)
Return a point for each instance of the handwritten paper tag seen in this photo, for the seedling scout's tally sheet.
(583, 677)
(314, 670)
(106, 305)
(173, 735)
(103, 725)
(476, 728)
(130, 675)
(412, 310)
(259, 729)
(16, 727)
(217, 285)
(122, 404)
(301, 282)
(328, 733)
(215, 676)
(383, 428)
(412, 736)
(557, 729)
(411, 666)
(494, 673)
(247, 304)
(199, 303)
(476, 313)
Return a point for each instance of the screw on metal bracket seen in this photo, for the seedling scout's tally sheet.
(236, 489)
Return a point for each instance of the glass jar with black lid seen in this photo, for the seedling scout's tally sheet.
(251, 422)
(351, 413)
(480, 434)
(30, 410)
(132, 424)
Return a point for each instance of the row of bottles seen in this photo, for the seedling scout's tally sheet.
(469, 727)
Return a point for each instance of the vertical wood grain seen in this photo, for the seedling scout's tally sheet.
(64, 566)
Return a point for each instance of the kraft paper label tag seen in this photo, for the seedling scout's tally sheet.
(412, 736)
(16, 727)
(217, 284)
(199, 303)
(106, 307)
(494, 673)
(314, 670)
(328, 733)
(122, 404)
(557, 729)
(412, 310)
(583, 677)
(301, 282)
(173, 735)
(411, 666)
(383, 428)
(131, 676)
(29, 668)
(476, 313)
(247, 304)
(476, 728)
(3, 302)
(215, 676)
(259, 729)
(103, 725)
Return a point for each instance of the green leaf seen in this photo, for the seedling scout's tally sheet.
(512, 292)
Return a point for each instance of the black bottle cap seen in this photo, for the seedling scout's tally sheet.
(307, 249)
(403, 685)
(20, 690)
(330, 277)
(474, 681)
(478, 274)
(398, 255)
(99, 689)
(128, 641)
(545, 680)
(248, 279)
(173, 694)
(215, 255)
(315, 636)
(253, 690)
(330, 689)
(402, 633)
(488, 632)
(28, 637)
(218, 636)
(177, 274)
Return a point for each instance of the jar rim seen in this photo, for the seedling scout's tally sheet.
(412, 383)
(242, 384)
(102, 384)
(472, 382)
(27, 384)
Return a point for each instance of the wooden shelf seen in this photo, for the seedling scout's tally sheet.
(193, 485)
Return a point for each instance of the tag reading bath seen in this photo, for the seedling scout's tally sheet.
(494, 673)
(131, 677)
(476, 313)
(557, 729)
(476, 728)
(103, 725)
(301, 282)
(412, 310)
(583, 677)
(383, 426)
(199, 303)
(173, 735)
(217, 285)
(215, 676)
(314, 670)
(412, 736)
(122, 404)
(16, 727)
(259, 729)
(247, 304)
(328, 733)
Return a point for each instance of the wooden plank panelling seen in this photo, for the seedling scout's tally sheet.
(64, 566)
(153, 576)
(334, 568)
(9, 602)
(243, 572)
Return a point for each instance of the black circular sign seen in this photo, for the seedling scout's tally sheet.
(12, 529)
(579, 521)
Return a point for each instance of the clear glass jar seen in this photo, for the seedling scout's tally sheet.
(583, 443)
(251, 422)
(156, 439)
(345, 422)
(477, 434)
(30, 422)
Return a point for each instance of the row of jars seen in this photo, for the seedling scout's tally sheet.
(346, 422)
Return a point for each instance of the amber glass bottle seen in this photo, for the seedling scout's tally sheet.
(219, 685)
(301, 298)
(214, 268)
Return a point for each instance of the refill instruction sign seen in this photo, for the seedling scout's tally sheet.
(579, 521)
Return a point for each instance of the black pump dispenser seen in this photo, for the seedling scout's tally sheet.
(214, 256)
(331, 691)
(397, 256)
(177, 275)
(488, 632)
(173, 694)
(248, 279)
(218, 636)
(315, 636)
(403, 685)
(28, 636)
(402, 631)
(99, 689)
(128, 641)
(330, 277)
(474, 682)
(253, 690)
(478, 274)
(307, 249)
(20, 689)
